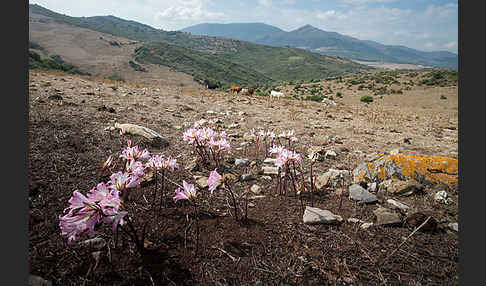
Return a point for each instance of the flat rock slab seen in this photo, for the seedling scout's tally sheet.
(423, 169)
(402, 188)
(319, 216)
(398, 204)
(387, 217)
(156, 140)
(358, 193)
(38, 281)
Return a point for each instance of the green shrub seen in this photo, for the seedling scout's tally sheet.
(339, 94)
(116, 77)
(366, 98)
(443, 97)
(317, 97)
(136, 66)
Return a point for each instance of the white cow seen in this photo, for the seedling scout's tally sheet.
(277, 94)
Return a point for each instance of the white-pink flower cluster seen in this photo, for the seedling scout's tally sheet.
(284, 156)
(102, 204)
(207, 137)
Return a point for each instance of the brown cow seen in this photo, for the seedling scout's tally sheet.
(235, 88)
(251, 90)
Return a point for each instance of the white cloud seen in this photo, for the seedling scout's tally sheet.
(265, 3)
(450, 45)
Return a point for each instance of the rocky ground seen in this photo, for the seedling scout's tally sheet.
(365, 243)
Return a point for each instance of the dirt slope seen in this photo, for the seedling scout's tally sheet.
(91, 51)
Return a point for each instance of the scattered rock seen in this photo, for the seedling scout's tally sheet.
(442, 197)
(256, 197)
(386, 217)
(331, 178)
(330, 154)
(403, 188)
(234, 135)
(395, 151)
(372, 187)
(319, 216)
(201, 181)
(358, 193)
(329, 102)
(423, 169)
(398, 205)
(35, 280)
(270, 161)
(267, 170)
(155, 138)
(247, 177)
(267, 178)
(454, 226)
(242, 162)
(256, 189)
(366, 225)
(355, 220)
(234, 125)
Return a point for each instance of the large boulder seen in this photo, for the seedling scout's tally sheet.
(423, 169)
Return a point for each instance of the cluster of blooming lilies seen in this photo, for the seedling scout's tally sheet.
(208, 143)
(106, 202)
(260, 138)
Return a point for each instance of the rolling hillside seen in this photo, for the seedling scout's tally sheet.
(204, 57)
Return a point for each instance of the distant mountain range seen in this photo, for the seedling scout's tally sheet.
(327, 43)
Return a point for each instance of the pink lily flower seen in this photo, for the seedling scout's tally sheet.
(189, 192)
(214, 180)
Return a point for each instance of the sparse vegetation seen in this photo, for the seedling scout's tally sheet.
(366, 98)
(54, 63)
(136, 66)
(115, 77)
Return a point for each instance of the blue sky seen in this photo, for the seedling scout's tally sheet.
(427, 25)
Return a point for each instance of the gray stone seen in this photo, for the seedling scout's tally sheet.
(442, 197)
(403, 188)
(256, 189)
(269, 161)
(38, 281)
(398, 204)
(358, 193)
(267, 178)
(454, 226)
(242, 162)
(247, 177)
(270, 170)
(354, 220)
(330, 154)
(372, 187)
(319, 216)
(155, 138)
(385, 216)
(366, 225)
(202, 182)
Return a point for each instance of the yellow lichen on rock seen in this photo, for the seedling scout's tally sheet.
(432, 168)
(424, 169)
